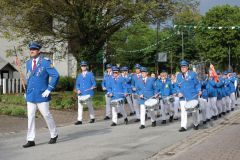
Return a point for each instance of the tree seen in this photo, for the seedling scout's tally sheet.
(126, 46)
(215, 43)
(86, 24)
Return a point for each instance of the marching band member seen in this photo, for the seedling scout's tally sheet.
(39, 71)
(227, 92)
(220, 95)
(176, 103)
(128, 80)
(105, 85)
(146, 89)
(232, 90)
(165, 89)
(117, 90)
(135, 78)
(212, 95)
(85, 84)
(203, 102)
(188, 88)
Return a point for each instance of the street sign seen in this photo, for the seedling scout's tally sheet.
(162, 57)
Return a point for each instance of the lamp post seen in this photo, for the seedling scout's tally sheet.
(182, 47)
(229, 59)
(156, 58)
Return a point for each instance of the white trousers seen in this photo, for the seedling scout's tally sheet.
(213, 105)
(227, 103)
(204, 108)
(166, 108)
(233, 100)
(90, 109)
(176, 106)
(184, 119)
(108, 106)
(143, 112)
(44, 109)
(136, 106)
(220, 106)
(130, 103)
(115, 109)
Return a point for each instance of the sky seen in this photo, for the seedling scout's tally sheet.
(205, 5)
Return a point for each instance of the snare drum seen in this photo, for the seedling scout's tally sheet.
(191, 106)
(151, 103)
(136, 96)
(168, 100)
(84, 99)
(116, 102)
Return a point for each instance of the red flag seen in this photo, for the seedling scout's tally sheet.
(215, 76)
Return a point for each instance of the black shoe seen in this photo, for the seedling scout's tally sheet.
(232, 109)
(204, 122)
(113, 124)
(132, 114)
(215, 117)
(78, 123)
(175, 119)
(196, 127)
(119, 115)
(126, 121)
(170, 118)
(228, 111)
(212, 117)
(220, 115)
(92, 121)
(154, 124)
(106, 118)
(208, 120)
(29, 144)
(182, 129)
(53, 140)
(137, 120)
(223, 113)
(164, 122)
(142, 127)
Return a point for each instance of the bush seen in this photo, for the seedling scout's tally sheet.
(65, 84)
(13, 99)
(13, 110)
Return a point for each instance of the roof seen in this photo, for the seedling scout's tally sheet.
(4, 63)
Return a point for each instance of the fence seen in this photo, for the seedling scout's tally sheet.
(8, 86)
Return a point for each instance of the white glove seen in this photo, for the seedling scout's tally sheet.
(46, 93)
(25, 96)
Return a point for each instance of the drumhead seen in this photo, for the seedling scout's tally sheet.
(151, 102)
(85, 97)
(191, 104)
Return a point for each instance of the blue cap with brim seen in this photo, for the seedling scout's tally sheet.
(34, 45)
(184, 63)
(144, 69)
(83, 63)
(115, 69)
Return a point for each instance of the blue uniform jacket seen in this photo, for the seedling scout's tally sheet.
(117, 87)
(164, 89)
(189, 86)
(85, 83)
(147, 90)
(212, 88)
(128, 82)
(203, 88)
(220, 85)
(38, 80)
(231, 84)
(135, 80)
(227, 86)
(106, 81)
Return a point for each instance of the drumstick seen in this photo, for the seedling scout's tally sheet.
(90, 89)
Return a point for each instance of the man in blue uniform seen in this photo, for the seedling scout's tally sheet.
(39, 70)
(146, 89)
(135, 78)
(117, 90)
(85, 84)
(187, 88)
(226, 89)
(165, 89)
(105, 85)
(128, 80)
(232, 90)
